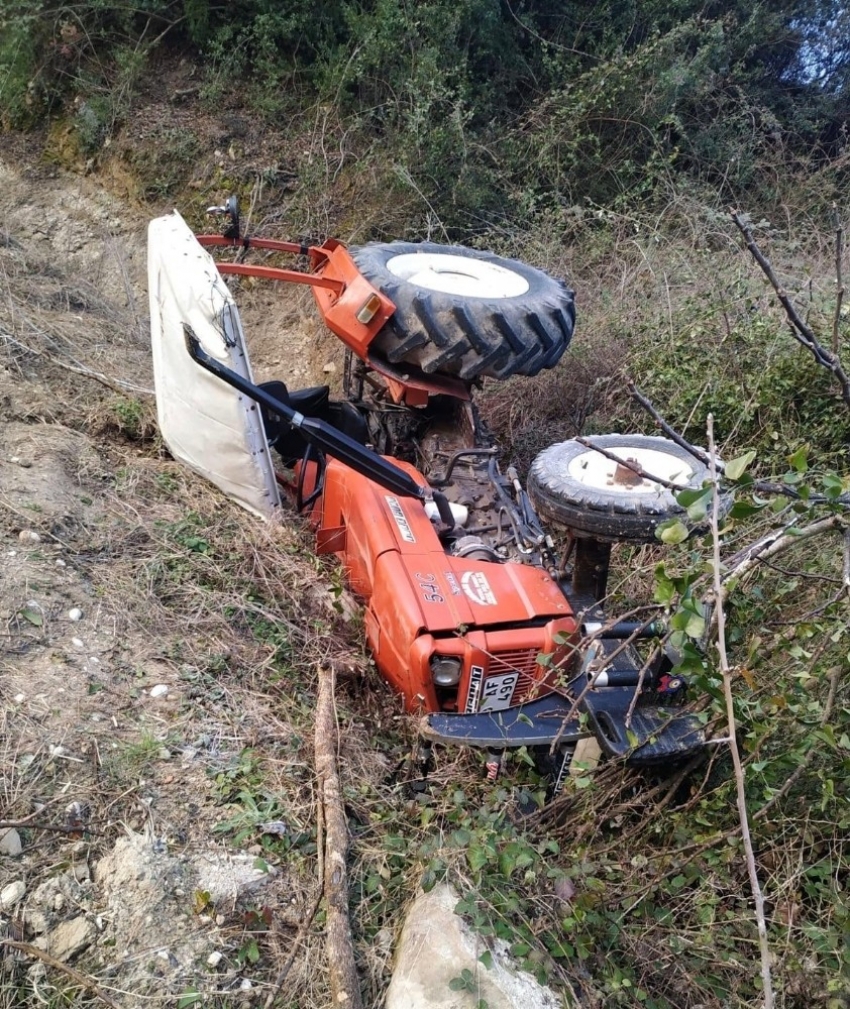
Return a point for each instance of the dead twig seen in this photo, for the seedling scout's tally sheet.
(839, 278)
(800, 330)
(81, 979)
(345, 984)
(719, 595)
(630, 464)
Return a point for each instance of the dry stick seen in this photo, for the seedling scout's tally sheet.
(719, 593)
(631, 465)
(51, 961)
(839, 279)
(115, 384)
(345, 984)
(801, 331)
(774, 543)
(763, 486)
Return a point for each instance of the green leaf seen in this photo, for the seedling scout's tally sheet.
(735, 469)
(743, 510)
(32, 615)
(665, 589)
(800, 459)
(672, 531)
(696, 502)
(189, 998)
(486, 958)
(477, 857)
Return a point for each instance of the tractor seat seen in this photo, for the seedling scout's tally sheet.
(312, 402)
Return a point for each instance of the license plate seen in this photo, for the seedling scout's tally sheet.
(498, 691)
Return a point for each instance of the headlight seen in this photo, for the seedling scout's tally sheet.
(445, 671)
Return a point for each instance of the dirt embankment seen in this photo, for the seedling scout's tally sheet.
(157, 649)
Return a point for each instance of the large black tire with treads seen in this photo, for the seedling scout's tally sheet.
(467, 313)
(586, 492)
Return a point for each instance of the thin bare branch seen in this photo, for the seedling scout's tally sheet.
(839, 278)
(800, 330)
(84, 982)
(719, 594)
(630, 464)
(774, 543)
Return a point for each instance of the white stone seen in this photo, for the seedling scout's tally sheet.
(20, 698)
(160, 690)
(214, 959)
(75, 614)
(10, 843)
(60, 563)
(436, 947)
(76, 643)
(245, 985)
(29, 536)
(11, 894)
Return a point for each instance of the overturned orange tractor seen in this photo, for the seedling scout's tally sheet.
(471, 615)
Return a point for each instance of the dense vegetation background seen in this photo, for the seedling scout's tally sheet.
(605, 141)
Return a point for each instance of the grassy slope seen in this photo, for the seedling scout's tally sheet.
(627, 891)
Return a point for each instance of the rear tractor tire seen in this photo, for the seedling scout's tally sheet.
(467, 313)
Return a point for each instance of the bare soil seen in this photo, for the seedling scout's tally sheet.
(158, 647)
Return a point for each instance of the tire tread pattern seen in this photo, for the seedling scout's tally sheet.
(467, 336)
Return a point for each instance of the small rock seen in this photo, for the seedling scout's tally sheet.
(81, 872)
(29, 536)
(245, 985)
(10, 843)
(58, 901)
(56, 751)
(76, 643)
(35, 921)
(70, 938)
(20, 698)
(214, 959)
(162, 954)
(60, 563)
(160, 690)
(329, 368)
(12, 893)
(164, 753)
(75, 614)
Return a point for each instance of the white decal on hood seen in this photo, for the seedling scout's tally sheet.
(400, 520)
(476, 586)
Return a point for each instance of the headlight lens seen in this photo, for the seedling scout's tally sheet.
(445, 671)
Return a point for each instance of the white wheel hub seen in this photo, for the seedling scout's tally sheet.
(598, 471)
(449, 274)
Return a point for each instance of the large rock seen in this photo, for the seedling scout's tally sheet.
(436, 947)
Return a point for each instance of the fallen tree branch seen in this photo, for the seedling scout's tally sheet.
(345, 984)
(81, 979)
(719, 595)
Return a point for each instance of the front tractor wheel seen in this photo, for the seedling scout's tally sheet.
(593, 495)
(467, 313)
